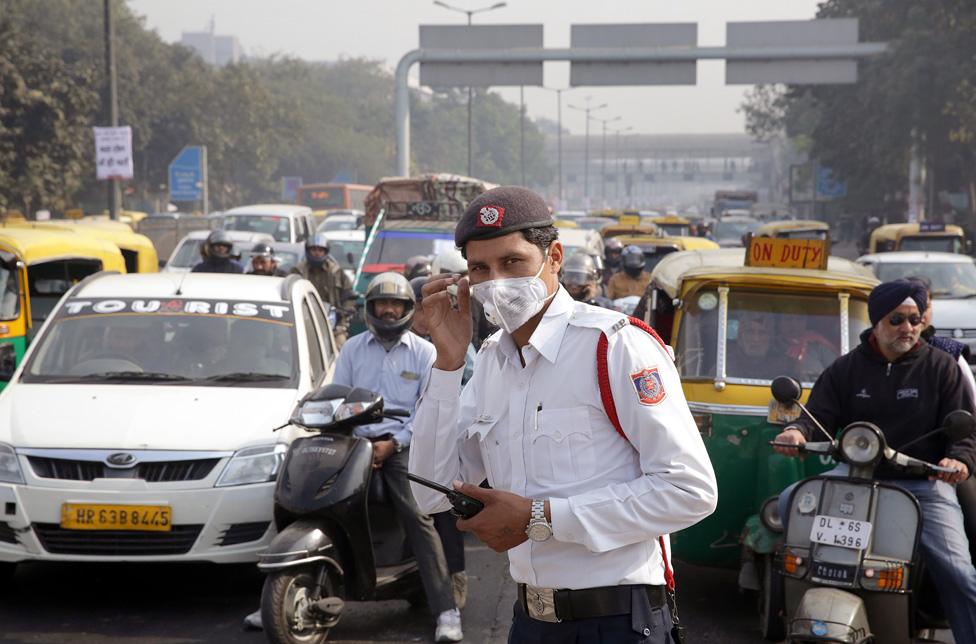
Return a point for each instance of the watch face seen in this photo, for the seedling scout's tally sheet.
(539, 532)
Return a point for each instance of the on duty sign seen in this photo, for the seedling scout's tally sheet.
(775, 252)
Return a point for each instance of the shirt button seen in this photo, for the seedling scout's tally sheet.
(558, 435)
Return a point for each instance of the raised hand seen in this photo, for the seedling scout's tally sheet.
(450, 329)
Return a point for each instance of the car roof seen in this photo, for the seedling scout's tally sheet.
(345, 235)
(914, 257)
(235, 235)
(215, 286)
(270, 209)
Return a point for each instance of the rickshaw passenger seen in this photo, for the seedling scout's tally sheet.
(810, 349)
(752, 354)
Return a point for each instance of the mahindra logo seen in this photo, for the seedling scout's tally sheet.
(121, 459)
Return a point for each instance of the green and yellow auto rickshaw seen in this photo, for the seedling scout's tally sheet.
(927, 235)
(735, 324)
(137, 250)
(14, 310)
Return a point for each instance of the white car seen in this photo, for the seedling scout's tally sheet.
(186, 255)
(346, 246)
(140, 424)
(953, 278)
(285, 222)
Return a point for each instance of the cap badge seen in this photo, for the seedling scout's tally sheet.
(491, 217)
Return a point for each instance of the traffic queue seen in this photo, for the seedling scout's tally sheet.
(594, 402)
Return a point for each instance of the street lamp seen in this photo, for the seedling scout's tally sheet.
(469, 13)
(603, 164)
(616, 162)
(559, 133)
(586, 144)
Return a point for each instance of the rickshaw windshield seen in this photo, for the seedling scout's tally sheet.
(766, 335)
(9, 287)
(937, 244)
(804, 234)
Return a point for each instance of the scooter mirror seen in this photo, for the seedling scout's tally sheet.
(786, 390)
(361, 407)
(329, 392)
(959, 424)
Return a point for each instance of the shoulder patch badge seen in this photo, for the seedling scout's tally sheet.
(649, 386)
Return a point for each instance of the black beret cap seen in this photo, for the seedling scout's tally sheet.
(501, 211)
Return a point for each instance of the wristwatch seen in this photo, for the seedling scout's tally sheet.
(397, 446)
(539, 529)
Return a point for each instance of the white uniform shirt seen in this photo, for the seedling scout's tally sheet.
(541, 431)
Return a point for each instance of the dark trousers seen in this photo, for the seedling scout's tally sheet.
(452, 540)
(618, 629)
(422, 536)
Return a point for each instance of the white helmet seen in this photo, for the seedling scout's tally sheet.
(449, 261)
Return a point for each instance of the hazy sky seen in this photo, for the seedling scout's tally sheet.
(386, 29)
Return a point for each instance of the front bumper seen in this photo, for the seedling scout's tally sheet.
(220, 525)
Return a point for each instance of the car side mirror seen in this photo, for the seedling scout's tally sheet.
(8, 361)
(786, 390)
(162, 264)
(959, 425)
(350, 257)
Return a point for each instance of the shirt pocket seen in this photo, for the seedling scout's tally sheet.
(562, 446)
(487, 436)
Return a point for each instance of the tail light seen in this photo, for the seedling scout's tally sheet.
(891, 577)
(792, 564)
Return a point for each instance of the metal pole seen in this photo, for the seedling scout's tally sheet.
(559, 134)
(206, 181)
(112, 102)
(470, 131)
(586, 162)
(522, 130)
(603, 167)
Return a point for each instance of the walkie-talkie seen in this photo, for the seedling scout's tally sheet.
(464, 507)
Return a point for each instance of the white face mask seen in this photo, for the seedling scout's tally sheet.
(511, 302)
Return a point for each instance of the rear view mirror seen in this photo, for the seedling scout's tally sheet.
(361, 407)
(8, 361)
(786, 390)
(350, 258)
(959, 425)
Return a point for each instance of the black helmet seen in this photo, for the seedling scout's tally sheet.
(218, 238)
(416, 266)
(612, 250)
(317, 240)
(579, 269)
(389, 286)
(633, 259)
(262, 250)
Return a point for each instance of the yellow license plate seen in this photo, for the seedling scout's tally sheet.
(89, 516)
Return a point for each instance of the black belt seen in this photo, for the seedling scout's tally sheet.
(604, 601)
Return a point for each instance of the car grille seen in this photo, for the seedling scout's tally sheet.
(58, 541)
(154, 472)
(948, 333)
(7, 534)
(243, 533)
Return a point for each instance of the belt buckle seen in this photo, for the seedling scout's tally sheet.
(541, 604)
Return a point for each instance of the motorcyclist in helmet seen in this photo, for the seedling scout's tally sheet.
(581, 279)
(264, 261)
(416, 266)
(612, 251)
(331, 282)
(634, 279)
(217, 252)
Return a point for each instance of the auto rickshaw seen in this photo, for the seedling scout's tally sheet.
(735, 324)
(670, 224)
(137, 250)
(655, 246)
(795, 229)
(14, 310)
(926, 236)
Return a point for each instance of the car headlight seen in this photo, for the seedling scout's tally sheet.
(253, 465)
(9, 465)
(861, 444)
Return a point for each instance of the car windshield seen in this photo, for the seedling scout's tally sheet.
(396, 247)
(277, 226)
(341, 249)
(767, 334)
(932, 243)
(734, 229)
(949, 279)
(338, 222)
(803, 234)
(9, 287)
(188, 254)
(177, 341)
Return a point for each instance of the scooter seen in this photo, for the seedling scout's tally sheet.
(336, 540)
(849, 559)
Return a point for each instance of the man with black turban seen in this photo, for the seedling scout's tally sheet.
(907, 388)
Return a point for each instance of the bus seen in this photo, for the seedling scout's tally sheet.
(332, 196)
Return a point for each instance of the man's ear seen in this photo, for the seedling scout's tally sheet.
(556, 256)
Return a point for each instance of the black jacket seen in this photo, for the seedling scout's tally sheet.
(215, 265)
(905, 398)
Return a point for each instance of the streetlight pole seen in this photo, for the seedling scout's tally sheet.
(603, 163)
(522, 131)
(111, 102)
(469, 13)
(616, 161)
(586, 144)
(559, 133)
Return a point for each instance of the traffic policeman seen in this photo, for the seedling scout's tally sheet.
(331, 282)
(578, 506)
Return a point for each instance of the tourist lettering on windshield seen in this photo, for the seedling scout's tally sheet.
(177, 307)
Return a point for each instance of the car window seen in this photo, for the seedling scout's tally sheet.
(278, 226)
(188, 254)
(324, 324)
(314, 346)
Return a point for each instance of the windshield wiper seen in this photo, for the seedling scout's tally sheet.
(245, 376)
(134, 375)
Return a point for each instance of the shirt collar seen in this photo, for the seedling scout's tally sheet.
(548, 336)
(372, 338)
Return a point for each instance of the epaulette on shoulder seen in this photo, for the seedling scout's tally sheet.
(607, 321)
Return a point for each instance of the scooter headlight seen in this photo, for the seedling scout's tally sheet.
(769, 515)
(9, 466)
(861, 444)
(253, 465)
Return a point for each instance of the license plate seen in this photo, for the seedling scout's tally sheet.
(832, 572)
(845, 533)
(87, 516)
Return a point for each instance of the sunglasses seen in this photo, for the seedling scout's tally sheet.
(897, 319)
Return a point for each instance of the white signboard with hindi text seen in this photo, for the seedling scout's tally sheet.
(113, 152)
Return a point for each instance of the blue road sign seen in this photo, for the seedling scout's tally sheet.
(827, 186)
(186, 175)
(289, 188)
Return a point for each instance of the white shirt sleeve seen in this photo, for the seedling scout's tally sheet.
(677, 487)
(441, 450)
